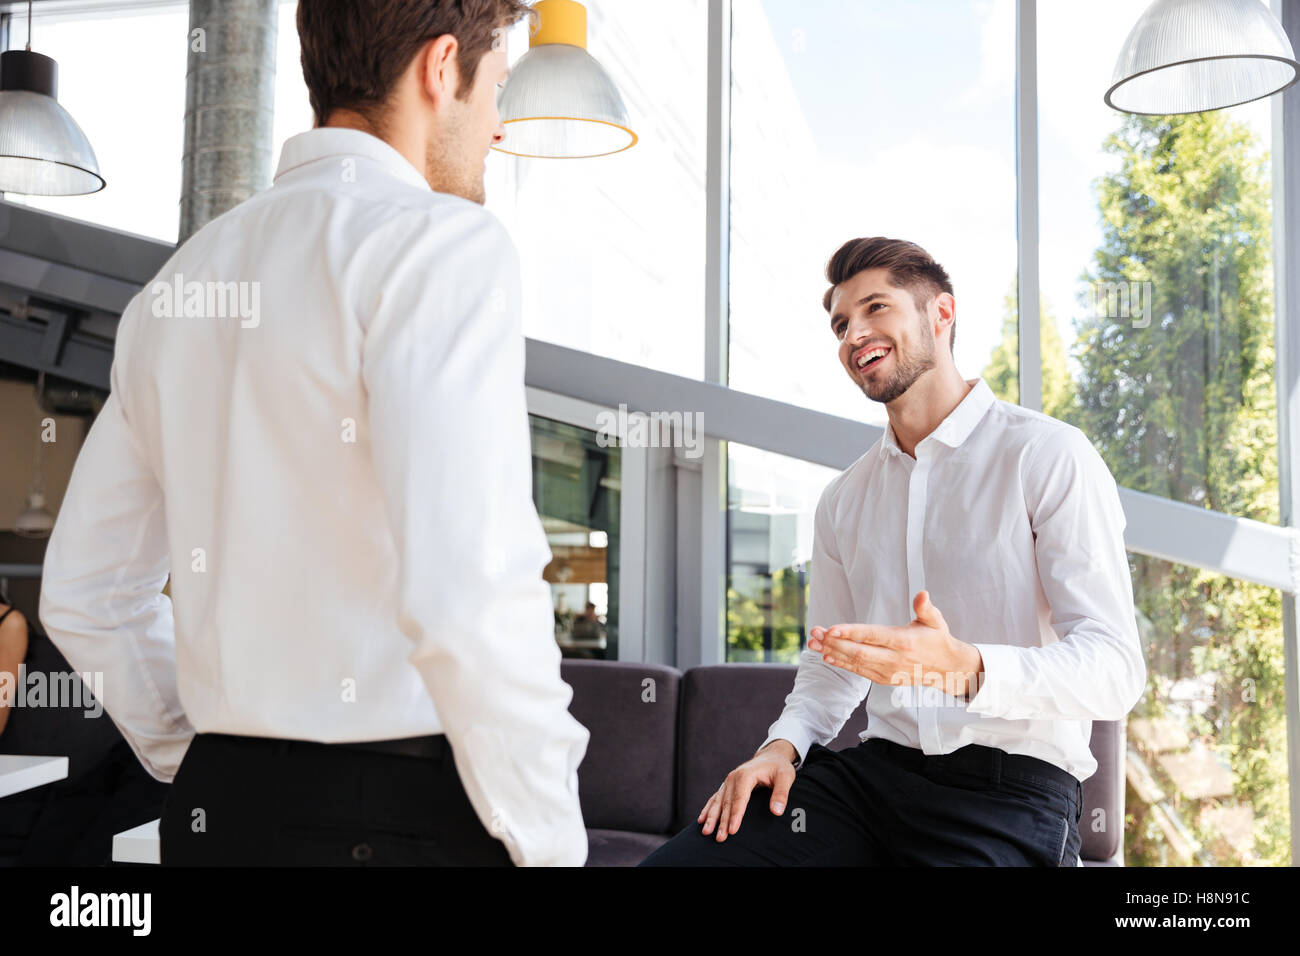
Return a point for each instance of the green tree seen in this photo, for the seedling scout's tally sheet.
(1184, 407)
(1003, 371)
(766, 606)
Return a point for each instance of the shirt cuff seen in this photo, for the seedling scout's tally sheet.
(1000, 681)
(793, 731)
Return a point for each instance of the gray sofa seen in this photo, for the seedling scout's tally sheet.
(663, 740)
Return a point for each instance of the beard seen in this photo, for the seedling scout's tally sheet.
(908, 368)
(447, 168)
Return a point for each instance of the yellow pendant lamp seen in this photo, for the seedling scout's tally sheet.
(559, 103)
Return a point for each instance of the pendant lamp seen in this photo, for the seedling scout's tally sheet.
(559, 103)
(43, 151)
(1186, 56)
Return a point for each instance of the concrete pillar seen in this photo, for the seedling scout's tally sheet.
(229, 106)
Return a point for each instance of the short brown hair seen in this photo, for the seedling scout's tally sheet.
(910, 267)
(354, 51)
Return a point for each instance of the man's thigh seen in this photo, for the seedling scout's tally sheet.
(960, 820)
(829, 820)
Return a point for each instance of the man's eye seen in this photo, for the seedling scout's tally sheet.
(876, 305)
(840, 330)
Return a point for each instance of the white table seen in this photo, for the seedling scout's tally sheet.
(137, 845)
(24, 773)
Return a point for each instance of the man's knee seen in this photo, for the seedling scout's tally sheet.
(687, 848)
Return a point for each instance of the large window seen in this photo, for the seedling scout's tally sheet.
(841, 127)
(1156, 321)
(612, 249)
(1158, 341)
(865, 118)
(1157, 269)
(1207, 744)
(577, 488)
(770, 508)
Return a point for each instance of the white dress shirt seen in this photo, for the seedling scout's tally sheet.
(340, 486)
(1012, 522)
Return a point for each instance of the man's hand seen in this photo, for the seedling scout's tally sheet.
(773, 766)
(922, 652)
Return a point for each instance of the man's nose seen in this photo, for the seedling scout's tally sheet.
(858, 331)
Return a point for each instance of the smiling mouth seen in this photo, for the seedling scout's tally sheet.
(875, 360)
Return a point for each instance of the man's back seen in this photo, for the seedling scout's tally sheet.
(257, 426)
(295, 398)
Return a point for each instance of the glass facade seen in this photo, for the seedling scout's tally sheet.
(1157, 280)
(842, 126)
(1206, 768)
(577, 488)
(771, 501)
(1157, 273)
(612, 249)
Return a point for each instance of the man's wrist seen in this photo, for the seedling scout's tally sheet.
(972, 669)
(781, 746)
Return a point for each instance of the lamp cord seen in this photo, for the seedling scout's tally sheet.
(29, 26)
(38, 485)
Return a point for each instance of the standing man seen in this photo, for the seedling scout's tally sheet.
(317, 426)
(969, 579)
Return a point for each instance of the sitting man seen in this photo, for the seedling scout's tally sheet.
(996, 533)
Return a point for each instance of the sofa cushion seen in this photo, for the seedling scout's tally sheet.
(728, 708)
(627, 778)
(726, 711)
(1103, 833)
(621, 847)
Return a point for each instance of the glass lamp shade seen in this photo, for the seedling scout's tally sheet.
(35, 521)
(559, 103)
(1185, 56)
(43, 151)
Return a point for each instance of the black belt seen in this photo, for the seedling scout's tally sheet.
(993, 764)
(434, 745)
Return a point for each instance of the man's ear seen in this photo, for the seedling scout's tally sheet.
(945, 306)
(438, 71)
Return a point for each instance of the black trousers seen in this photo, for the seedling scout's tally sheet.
(250, 801)
(883, 804)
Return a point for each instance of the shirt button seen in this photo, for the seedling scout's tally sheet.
(362, 852)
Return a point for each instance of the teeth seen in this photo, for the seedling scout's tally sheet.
(868, 356)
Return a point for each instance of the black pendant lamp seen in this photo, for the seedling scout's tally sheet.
(43, 151)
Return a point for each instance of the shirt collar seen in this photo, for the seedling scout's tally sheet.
(961, 421)
(335, 141)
